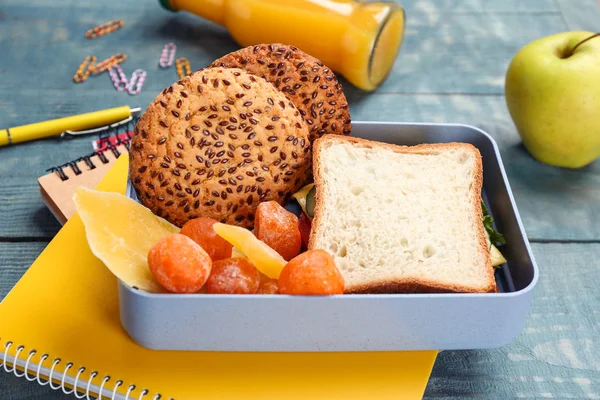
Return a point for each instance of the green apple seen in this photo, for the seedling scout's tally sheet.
(553, 95)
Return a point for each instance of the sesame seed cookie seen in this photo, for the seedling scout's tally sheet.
(308, 83)
(215, 144)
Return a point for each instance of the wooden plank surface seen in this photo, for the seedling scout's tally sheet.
(573, 197)
(451, 69)
(451, 49)
(15, 258)
(464, 52)
(557, 355)
(473, 37)
(579, 14)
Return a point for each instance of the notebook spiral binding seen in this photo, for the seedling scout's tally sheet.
(105, 145)
(80, 389)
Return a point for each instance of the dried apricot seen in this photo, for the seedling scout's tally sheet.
(268, 286)
(233, 276)
(278, 228)
(311, 273)
(201, 231)
(179, 264)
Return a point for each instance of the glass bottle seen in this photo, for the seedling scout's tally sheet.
(357, 39)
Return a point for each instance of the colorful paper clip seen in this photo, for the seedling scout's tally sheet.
(84, 69)
(109, 62)
(167, 55)
(104, 29)
(118, 77)
(137, 78)
(183, 67)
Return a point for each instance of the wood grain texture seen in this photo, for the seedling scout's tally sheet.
(15, 258)
(557, 354)
(579, 14)
(485, 6)
(450, 47)
(439, 42)
(451, 69)
(463, 52)
(571, 197)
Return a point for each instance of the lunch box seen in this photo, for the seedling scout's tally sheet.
(362, 322)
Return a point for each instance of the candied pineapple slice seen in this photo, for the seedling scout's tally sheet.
(120, 232)
(237, 253)
(264, 258)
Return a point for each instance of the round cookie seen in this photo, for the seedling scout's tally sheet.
(215, 144)
(303, 79)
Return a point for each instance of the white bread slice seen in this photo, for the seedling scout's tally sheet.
(401, 219)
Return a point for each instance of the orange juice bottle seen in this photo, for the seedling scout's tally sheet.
(358, 39)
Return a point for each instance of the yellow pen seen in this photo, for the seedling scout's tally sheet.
(73, 126)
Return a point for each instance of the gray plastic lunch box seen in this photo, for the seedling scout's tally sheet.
(378, 322)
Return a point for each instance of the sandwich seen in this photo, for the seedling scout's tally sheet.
(402, 219)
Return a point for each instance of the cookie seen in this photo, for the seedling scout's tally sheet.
(215, 144)
(308, 83)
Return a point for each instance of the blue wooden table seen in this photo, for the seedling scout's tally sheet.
(451, 69)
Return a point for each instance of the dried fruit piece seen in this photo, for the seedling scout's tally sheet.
(179, 264)
(278, 228)
(311, 273)
(267, 260)
(268, 286)
(235, 252)
(233, 276)
(114, 235)
(201, 231)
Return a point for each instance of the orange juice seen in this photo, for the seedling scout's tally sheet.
(359, 40)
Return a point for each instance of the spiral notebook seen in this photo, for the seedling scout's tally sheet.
(58, 185)
(61, 323)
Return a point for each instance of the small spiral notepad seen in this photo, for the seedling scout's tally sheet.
(57, 187)
(60, 327)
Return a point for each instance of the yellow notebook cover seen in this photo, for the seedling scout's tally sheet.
(66, 306)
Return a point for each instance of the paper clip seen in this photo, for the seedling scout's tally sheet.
(104, 29)
(167, 55)
(137, 78)
(84, 69)
(118, 77)
(183, 67)
(109, 62)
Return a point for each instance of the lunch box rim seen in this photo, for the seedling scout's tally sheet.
(349, 297)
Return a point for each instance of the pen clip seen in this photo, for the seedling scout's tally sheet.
(70, 134)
